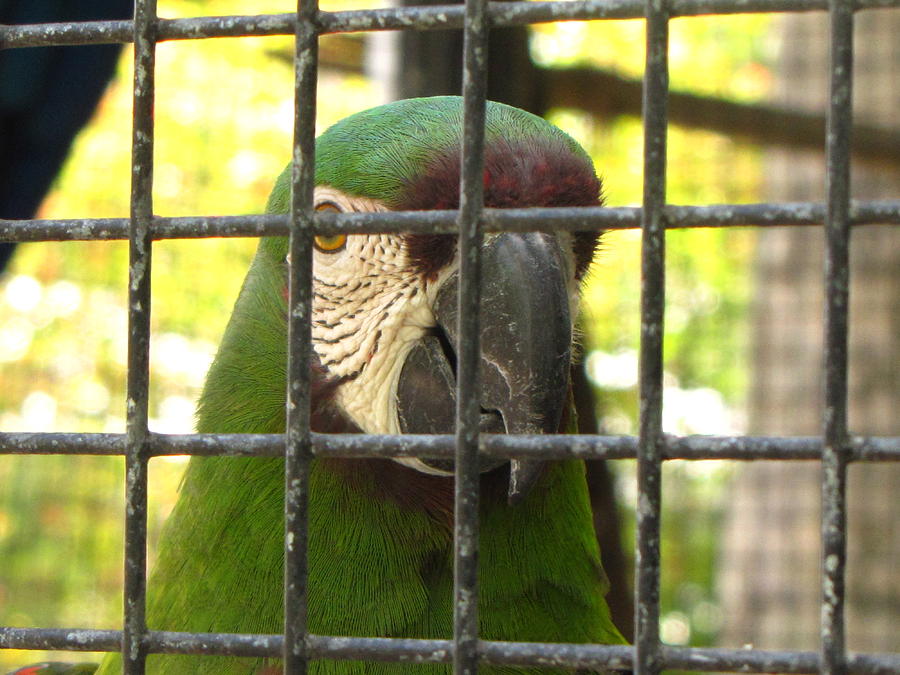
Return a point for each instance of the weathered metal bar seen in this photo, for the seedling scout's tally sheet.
(58, 443)
(471, 204)
(650, 373)
(571, 219)
(743, 448)
(573, 656)
(138, 377)
(837, 307)
(69, 639)
(761, 661)
(298, 452)
(437, 17)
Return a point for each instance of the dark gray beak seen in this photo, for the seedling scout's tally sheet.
(526, 342)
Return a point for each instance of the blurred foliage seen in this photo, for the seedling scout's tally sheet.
(728, 56)
(224, 114)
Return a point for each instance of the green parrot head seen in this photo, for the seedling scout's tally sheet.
(384, 340)
(384, 307)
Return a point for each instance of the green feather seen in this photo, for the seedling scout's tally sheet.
(378, 152)
(375, 568)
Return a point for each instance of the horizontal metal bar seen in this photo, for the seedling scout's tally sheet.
(225, 644)
(760, 661)
(69, 639)
(440, 651)
(886, 211)
(44, 443)
(862, 448)
(439, 17)
(190, 227)
(570, 219)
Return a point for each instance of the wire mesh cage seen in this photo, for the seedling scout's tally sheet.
(836, 447)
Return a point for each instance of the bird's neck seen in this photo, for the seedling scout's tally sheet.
(380, 554)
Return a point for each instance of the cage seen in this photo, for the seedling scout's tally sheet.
(836, 448)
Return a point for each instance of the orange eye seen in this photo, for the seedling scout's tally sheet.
(330, 243)
(333, 242)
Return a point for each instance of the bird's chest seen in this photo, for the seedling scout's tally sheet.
(379, 551)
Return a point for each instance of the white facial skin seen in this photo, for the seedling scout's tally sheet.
(371, 306)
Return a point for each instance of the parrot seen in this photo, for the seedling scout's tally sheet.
(383, 326)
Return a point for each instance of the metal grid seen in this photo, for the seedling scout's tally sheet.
(836, 448)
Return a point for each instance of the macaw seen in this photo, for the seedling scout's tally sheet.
(383, 336)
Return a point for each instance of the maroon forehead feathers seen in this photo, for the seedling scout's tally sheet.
(516, 175)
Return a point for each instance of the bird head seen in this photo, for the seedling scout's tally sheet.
(384, 325)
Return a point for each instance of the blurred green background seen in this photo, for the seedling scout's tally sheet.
(223, 132)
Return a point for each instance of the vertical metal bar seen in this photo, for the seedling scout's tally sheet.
(139, 260)
(837, 298)
(655, 95)
(471, 202)
(298, 452)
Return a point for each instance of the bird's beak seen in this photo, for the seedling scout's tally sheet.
(526, 337)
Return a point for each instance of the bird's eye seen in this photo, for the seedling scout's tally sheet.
(330, 243)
